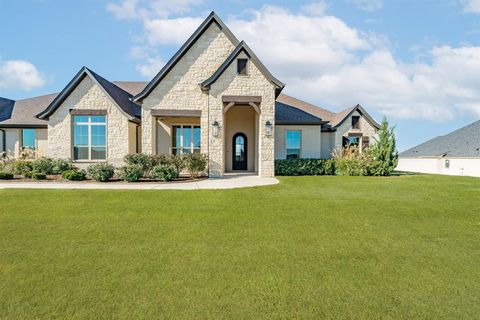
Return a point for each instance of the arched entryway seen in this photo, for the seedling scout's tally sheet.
(239, 151)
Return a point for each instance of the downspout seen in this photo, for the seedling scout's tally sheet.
(4, 140)
(208, 134)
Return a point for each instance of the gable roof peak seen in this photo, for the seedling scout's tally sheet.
(212, 18)
(242, 46)
(120, 97)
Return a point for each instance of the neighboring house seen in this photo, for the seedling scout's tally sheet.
(457, 153)
(214, 96)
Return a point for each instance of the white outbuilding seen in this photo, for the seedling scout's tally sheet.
(457, 153)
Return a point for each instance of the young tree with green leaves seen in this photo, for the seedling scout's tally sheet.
(383, 152)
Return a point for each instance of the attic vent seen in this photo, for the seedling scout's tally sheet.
(242, 66)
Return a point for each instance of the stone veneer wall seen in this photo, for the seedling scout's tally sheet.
(180, 88)
(88, 95)
(365, 128)
(254, 84)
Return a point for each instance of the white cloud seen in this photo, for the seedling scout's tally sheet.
(317, 8)
(368, 5)
(326, 61)
(149, 9)
(170, 31)
(472, 6)
(19, 75)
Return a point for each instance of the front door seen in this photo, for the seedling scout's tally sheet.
(239, 148)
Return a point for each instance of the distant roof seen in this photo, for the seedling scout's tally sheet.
(24, 112)
(288, 115)
(212, 18)
(119, 96)
(334, 119)
(462, 143)
(243, 47)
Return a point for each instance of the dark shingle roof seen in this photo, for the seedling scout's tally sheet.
(334, 119)
(6, 108)
(285, 114)
(463, 143)
(119, 96)
(23, 112)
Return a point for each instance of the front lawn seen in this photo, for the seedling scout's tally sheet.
(310, 247)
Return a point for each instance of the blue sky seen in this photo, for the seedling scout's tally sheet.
(416, 62)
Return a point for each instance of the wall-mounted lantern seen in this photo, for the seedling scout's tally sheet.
(268, 129)
(215, 129)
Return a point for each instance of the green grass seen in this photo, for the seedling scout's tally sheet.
(310, 247)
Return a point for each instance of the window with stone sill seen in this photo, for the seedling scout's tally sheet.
(89, 138)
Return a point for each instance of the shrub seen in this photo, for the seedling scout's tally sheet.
(165, 172)
(304, 167)
(145, 161)
(22, 167)
(349, 161)
(7, 159)
(62, 165)
(195, 163)
(178, 161)
(383, 152)
(131, 173)
(5, 175)
(101, 171)
(74, 175)
(43, 165)
(36, 175)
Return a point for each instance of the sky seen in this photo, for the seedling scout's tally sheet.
(415, 62)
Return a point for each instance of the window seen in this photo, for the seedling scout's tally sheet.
(242, 66)
(365, 142)
(28, 138)
(186, 139)
(354, 141)
(89, 138)
(356, 122)
(447, 164)
(293, 142)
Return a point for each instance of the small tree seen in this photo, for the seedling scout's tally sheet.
(383, 152)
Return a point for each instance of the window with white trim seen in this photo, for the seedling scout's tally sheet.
(186, 139)
(293, 144)
(89, 138)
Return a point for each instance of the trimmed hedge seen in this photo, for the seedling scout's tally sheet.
(35, 175)
(131, 173)
(74, 175)
(165, 172)
(5, 176)
(304, 167)
(101, 172)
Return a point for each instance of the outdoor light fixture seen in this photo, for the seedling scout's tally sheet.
(268, 128)
(215, 128)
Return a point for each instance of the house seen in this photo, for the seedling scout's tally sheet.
(214, 96)
(457, 153)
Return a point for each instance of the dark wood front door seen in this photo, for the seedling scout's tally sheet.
(239, 151)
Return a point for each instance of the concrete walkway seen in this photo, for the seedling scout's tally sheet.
(228, 182)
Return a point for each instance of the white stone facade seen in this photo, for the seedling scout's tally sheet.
(88, 96)
(180, 90)
(366, 129)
